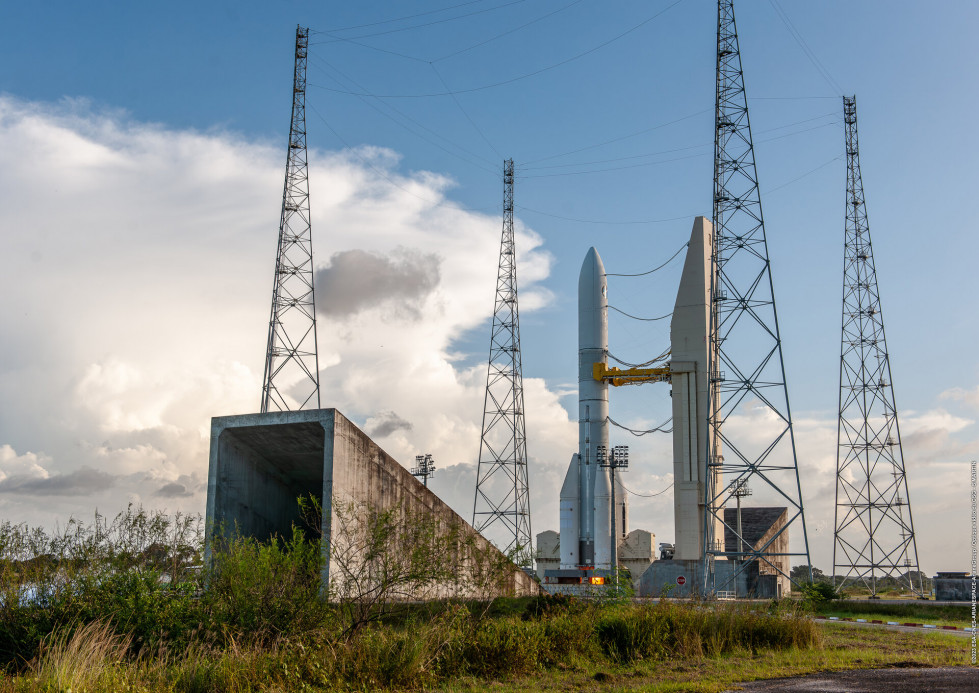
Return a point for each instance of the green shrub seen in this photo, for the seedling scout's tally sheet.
(259, 591)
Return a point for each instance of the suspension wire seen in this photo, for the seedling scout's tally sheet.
(637, 432)
(620, 138)
(464, 112)
(527, 167)
(655, 269)
(519, 77)
(399, 19)
(824, 73)
(437, 203)
(666, 161)
(409, 118)
(807, 173)
(645, 495)
(337, 39)
(602, 221)
(661, 317)
(616, 159)
(638, 365)
(509, 31)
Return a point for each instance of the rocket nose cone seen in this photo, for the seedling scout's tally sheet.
(591, 269)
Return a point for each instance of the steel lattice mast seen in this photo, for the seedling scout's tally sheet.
(502, 502)
(291, 378)
(872, 539)
(747, 372)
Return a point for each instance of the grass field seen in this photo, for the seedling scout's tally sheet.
(115, 608)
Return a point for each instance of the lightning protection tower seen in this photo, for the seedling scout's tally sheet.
(501, 508)
(747, 374)
(872, 538)
(291, 378)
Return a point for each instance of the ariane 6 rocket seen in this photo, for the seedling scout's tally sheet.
(586, 493)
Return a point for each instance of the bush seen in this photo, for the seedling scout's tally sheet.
(260, 591)
(816, 594)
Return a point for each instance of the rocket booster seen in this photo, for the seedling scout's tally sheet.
(592, 411)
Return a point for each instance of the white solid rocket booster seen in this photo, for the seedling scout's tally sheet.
(570, 516)
(594, 486)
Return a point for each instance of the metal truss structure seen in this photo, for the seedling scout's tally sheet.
(502, 502)
(291, 379)
(872, 538)
(750, 435)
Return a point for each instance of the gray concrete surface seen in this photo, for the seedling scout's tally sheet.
(260, 464)
(896, 680)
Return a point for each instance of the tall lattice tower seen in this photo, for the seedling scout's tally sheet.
(872, 538)
(501, 509)
(749, 422)
(292, 378)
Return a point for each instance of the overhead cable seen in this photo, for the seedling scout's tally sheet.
(466, 114)
(399, 19)
(602, 221)
(645, 495)
(638, 433)
(420, 125)
(655, 269)
(807, 173)
(505, 33)
(337, 39)
(820, 68)
(622, 137)
(638, 365)
(438, 203)
(512, 79)
(643, 319)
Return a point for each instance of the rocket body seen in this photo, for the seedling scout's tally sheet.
(592, 412)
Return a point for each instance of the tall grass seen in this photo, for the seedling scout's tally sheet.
(134, 609)
(75, 661)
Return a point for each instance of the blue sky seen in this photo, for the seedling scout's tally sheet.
(184, 108)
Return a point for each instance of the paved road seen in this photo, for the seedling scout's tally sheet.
(939, 680)
(900, 629)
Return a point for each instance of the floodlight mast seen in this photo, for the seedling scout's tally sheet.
(291, 380)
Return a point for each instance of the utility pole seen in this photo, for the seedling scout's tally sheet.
(291, 379)
(747, 373)
(502, 500)
(871, 538)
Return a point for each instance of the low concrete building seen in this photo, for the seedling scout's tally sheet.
(261, 464)
(635, 553)
(758, 526)
(953, 587)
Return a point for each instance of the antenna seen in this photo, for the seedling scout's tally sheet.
(502, 499)
(747, 373)
(871, 538)
(291, 379)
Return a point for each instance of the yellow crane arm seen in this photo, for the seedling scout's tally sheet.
(630, 376)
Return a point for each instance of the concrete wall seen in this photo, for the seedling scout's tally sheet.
(660, 579)
(260, 464)
(953, 587)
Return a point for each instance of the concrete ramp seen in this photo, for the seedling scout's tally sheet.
(261, 464)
